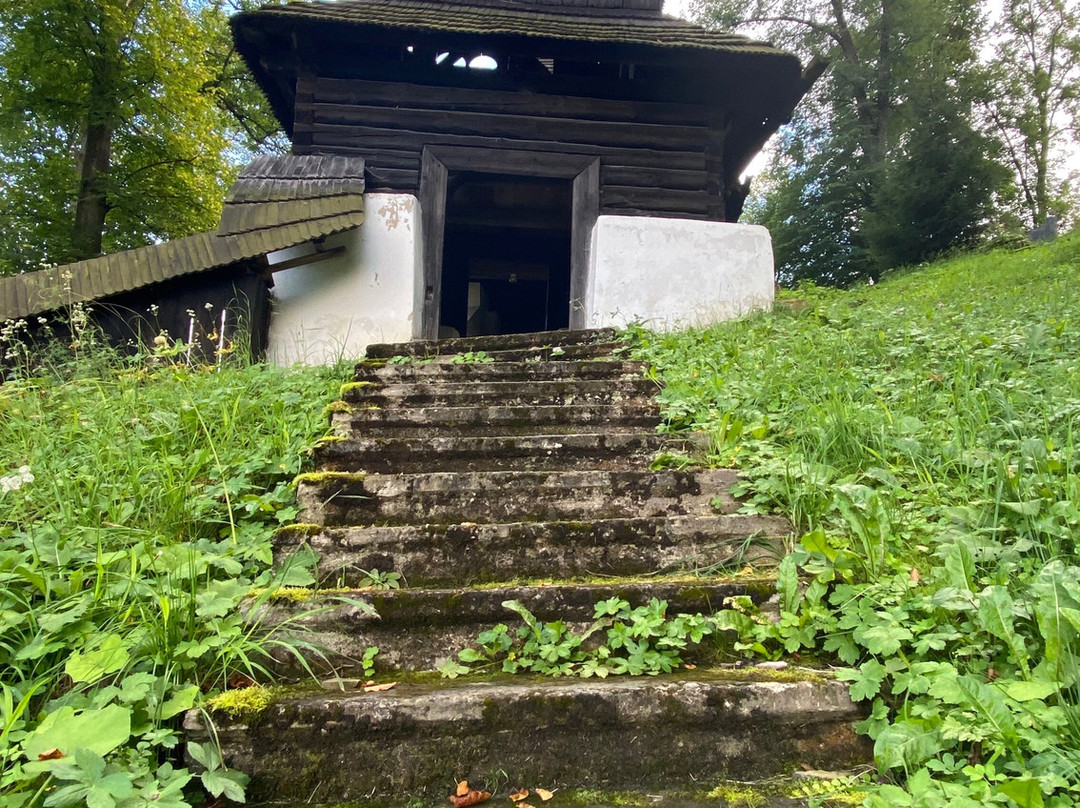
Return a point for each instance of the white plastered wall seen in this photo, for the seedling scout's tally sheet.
(673, 273)
(335, 308)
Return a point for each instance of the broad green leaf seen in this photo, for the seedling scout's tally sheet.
(1028, 691)
(100, 731)
(180, 701)
(960, 567)
(1025, 792)
(110, 656)
(990, 706)
(787, 585)
(906, 744)
(1051, 598)
(996, 617)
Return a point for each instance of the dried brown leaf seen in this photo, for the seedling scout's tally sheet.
(473, 797)
(50, 754)
(462, 788)
(371, 687)
(518, 796)
(544, 794)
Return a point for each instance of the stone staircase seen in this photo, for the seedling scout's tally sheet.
(517, 468)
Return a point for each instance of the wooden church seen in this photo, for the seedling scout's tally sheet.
(492, 166)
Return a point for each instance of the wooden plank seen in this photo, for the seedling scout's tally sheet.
(517, 127)
(396, 180)
(371, 140)
(701, 217)
(586, 207)
(653, 177)
(433, 177)
(520, 162)
(522, 102)
(658, 200)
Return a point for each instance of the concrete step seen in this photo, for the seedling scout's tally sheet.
(353, 420)
(481, 553)
(441, 393)
(419, 739)
(417, 629)
(605, 451)
(511, 496)
(378, 370)
(494, 342)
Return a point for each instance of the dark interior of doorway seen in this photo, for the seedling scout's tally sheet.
(506, 254)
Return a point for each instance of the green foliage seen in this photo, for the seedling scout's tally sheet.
(137, 506)
(641, 640)
(921, 436)
(116, 123)
(882, 165)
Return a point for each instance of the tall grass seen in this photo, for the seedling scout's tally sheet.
(922, 436)
(136, 514)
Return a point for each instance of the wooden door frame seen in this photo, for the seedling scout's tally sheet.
(435, 166)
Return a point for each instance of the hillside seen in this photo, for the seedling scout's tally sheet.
(922, 436)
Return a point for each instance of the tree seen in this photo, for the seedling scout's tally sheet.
(114, 127)
(1037, 78)
(893, 63)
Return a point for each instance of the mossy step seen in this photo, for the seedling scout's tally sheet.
(608, 450)
(409, 422)
(533, 353)
(511, 496)
(494, 342)
(435, 392)
(627, 733)
(379, 370)
(468, 553)
(417, 629)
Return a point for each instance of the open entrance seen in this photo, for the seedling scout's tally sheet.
(506, 254)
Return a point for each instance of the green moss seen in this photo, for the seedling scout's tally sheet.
(296, 532)
(584, 797)
(355, 387)
(320, 477)
(740, 795)
(338, 406)
(244, 704)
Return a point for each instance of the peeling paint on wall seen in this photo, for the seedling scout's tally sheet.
(396, 210)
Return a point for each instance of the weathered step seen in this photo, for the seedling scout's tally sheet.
(352, 420)
(502, 393)
(609, 450)
(375, 370)
(494, 342)
(630, 733)
(480, 553)
(511, 496)
(417, 629)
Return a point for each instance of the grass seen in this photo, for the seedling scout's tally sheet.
(137, 512)
(921, 434)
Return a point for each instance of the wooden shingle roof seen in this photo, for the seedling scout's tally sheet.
(590, 21)
(276, 203)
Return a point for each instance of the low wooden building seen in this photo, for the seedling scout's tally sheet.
(527, 134)
(508, 166)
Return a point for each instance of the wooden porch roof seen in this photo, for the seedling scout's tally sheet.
(275, 203)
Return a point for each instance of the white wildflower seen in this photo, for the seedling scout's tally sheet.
(13, 482)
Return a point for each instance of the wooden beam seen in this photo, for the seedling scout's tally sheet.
(304, 260)
(586, 208)
(433, 176)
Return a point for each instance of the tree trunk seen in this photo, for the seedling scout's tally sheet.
(92, 204)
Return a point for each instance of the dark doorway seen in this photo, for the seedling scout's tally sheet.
(506, 254)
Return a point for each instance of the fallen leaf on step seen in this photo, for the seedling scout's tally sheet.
(524, 805)
(463, 788)
(690, 667)
(518, 796)
(544, 794)
(471, 797)
(371, 687)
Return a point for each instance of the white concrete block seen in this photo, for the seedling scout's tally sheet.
(334, 309)
(673, 273)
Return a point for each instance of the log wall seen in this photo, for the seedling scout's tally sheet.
(656, 158)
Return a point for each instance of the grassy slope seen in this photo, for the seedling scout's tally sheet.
(922, 436)
(136, 512)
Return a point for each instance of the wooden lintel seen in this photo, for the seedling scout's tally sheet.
(304, 260)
